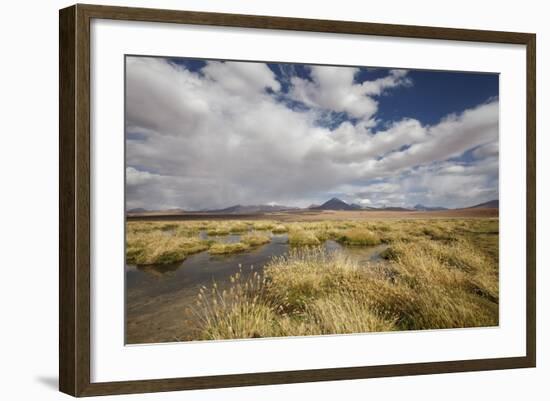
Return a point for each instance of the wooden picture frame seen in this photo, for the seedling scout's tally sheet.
(74, 200)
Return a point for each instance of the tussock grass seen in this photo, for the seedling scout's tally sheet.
(238, 227)
(279, 229)
(236, 312)
(358, 236)
(348, 313)
(301, 237)
(389, 253)
(143, 227)
(224, 248)
(440, 286)
(263, 225)
(255, 238)
(151, 247)
(218, 231)
(428, 285)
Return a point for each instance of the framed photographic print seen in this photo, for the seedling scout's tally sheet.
(250, 200)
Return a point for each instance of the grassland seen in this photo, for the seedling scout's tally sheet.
(437, 273)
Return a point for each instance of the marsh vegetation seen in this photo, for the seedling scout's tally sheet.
(292, 278)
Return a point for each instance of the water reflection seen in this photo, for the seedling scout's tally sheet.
(159, 270)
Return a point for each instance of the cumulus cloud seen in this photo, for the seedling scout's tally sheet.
(334, 89)
(454, 135)
(226, 134)
(244, 79)
(436, 184)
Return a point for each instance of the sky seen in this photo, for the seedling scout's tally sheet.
(207, 134)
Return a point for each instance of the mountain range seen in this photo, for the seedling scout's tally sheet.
(331, 204)
(238, 209)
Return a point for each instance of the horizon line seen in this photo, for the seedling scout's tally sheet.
(312, 206)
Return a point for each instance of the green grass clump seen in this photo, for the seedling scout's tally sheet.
(225, 248)
(255, 239)
(358, 236)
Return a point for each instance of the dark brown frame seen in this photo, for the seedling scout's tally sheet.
(74, 199)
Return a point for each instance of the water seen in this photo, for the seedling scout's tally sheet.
(159, 298)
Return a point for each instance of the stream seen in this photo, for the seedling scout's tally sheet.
(158, 297)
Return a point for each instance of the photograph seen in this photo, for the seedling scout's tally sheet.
(271, 199)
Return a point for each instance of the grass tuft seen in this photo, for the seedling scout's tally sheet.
(218, 231)
(238, 227)
(255, 239)
(299, 237)
(225, 248)
(150, 247)
(358, 236)
(279, 229)
(263, 225)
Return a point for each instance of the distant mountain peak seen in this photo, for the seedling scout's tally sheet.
(337, 204)
(492, 204)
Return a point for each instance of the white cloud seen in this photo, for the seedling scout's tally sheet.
(448, 184)
(334, 89)
(136, 177)
(241, 78)
(217, 138)
(450, 138)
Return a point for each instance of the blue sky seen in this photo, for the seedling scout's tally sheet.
(207, 134)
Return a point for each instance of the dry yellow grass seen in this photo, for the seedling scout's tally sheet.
(238, 227)
(153, 247)
(427, 285)
(224, 248)
(358, 236)
(255, 238)
(279, 229)
(360, 232)
(440, 273)
(263, 225)
(301, 237)
(218, 230)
